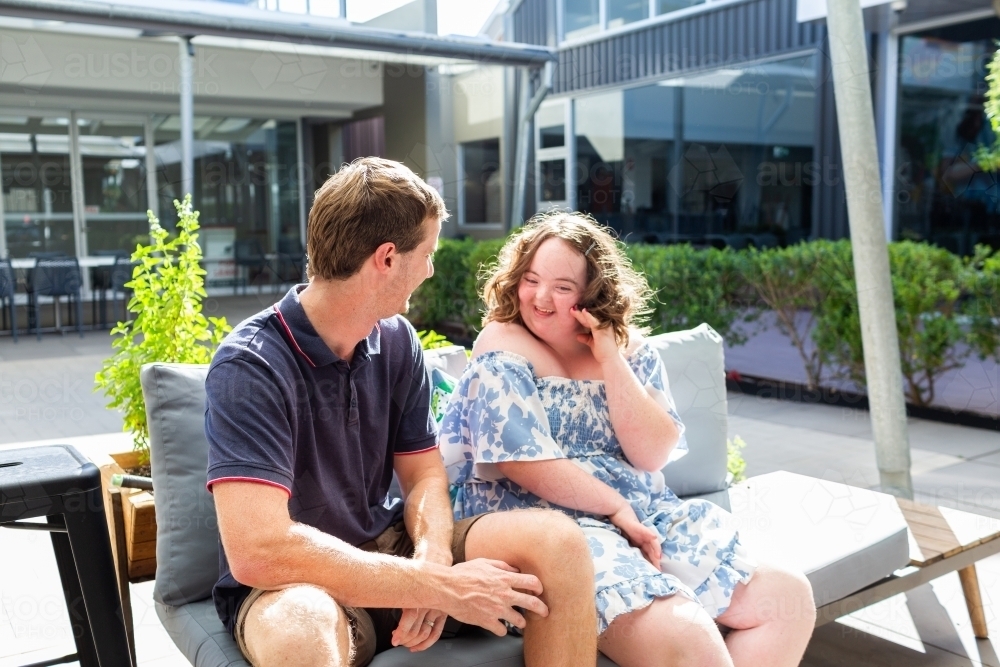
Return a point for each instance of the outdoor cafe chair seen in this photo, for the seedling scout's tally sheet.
(56, 278)
(251, 264)
(8, 288)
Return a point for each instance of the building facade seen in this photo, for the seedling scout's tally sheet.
(715, 121)
(92, 128)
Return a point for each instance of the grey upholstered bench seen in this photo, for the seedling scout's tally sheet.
(842, 537)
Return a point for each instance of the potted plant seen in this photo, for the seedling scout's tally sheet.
(167, 291)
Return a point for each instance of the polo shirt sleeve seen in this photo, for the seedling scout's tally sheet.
(247, 425)
(417, 429)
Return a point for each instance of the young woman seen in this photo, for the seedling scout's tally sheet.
(565, 405)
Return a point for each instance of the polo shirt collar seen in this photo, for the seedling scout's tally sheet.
(304, 339)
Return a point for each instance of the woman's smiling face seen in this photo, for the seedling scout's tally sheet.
(550, 287)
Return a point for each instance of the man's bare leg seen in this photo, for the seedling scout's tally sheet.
(300, 626)
(552, 547)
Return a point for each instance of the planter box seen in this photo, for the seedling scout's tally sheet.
(138, 521)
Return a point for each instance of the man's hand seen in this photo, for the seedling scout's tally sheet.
(484, 592)
(418, 629)
(428, 520)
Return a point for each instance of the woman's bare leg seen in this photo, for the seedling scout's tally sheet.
(671, 632)
(772, 618)
(551, 546)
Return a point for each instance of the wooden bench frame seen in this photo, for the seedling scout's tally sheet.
(934, 552)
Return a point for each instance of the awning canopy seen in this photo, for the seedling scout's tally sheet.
(192, 18)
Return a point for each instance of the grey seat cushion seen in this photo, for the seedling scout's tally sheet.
(187, 534)
(696, 370)
(842, 537)
(201, 637)
(196, 630)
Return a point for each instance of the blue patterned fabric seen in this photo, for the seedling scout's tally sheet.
(501, 411)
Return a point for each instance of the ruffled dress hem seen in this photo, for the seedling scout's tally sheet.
(716, 593)
(635, 594)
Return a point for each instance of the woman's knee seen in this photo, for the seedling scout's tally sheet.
(802, 604)
(784, 595)
(673, 631)
(302, 624)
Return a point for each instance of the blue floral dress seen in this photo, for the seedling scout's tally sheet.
(501, 411)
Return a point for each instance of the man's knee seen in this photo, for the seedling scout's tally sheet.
(298, 625)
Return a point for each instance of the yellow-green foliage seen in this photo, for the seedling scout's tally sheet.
(167, 290)
(735, 465)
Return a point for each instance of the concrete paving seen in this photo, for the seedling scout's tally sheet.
(928, 627)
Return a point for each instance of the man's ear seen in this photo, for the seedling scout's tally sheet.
(385, 256)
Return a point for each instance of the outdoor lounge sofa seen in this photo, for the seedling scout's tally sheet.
(844, 538)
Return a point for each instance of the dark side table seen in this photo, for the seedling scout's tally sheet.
(58, 483)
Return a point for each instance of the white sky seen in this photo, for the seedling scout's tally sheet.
(455, 17)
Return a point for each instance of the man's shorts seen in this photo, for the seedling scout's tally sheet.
(371, 628)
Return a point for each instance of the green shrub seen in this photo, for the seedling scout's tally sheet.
(837, 328)
(783, 280)
(927, 284)
(983, 305)
(167, 290)
(693, 286)
(450, 299)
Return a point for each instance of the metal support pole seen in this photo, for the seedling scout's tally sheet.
(529, 105)
(76, 191)
(187, 117)
(888, 92)
(343, 9)
(3, 224)
(678, 163)
(871, 255)
(152, 190)
(300, 176)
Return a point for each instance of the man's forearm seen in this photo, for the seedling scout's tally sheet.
(429, 520)
(305, 555)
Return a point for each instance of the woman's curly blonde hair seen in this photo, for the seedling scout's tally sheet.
(616, 294)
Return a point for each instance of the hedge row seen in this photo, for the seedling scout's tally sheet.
(947, 307)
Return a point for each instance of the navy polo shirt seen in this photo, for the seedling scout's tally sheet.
(283, 409)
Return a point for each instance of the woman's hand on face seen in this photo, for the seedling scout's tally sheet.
(639, 535)
(601, 341)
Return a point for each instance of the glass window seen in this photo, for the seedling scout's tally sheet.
(114, 184)
(246, 182)
(621, 12)
(553, 136)
(550, 119)
(482, 194)
(942, 194)
(553, 174)
(38, 202)
(581, 17)
(721, 158)
(667, 6)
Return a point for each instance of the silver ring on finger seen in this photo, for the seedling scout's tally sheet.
(430, 623)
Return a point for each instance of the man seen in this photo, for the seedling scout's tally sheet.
(312, 404)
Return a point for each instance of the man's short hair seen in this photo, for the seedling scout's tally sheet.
(368, 202)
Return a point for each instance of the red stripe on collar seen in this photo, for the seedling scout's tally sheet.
(281, 318)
